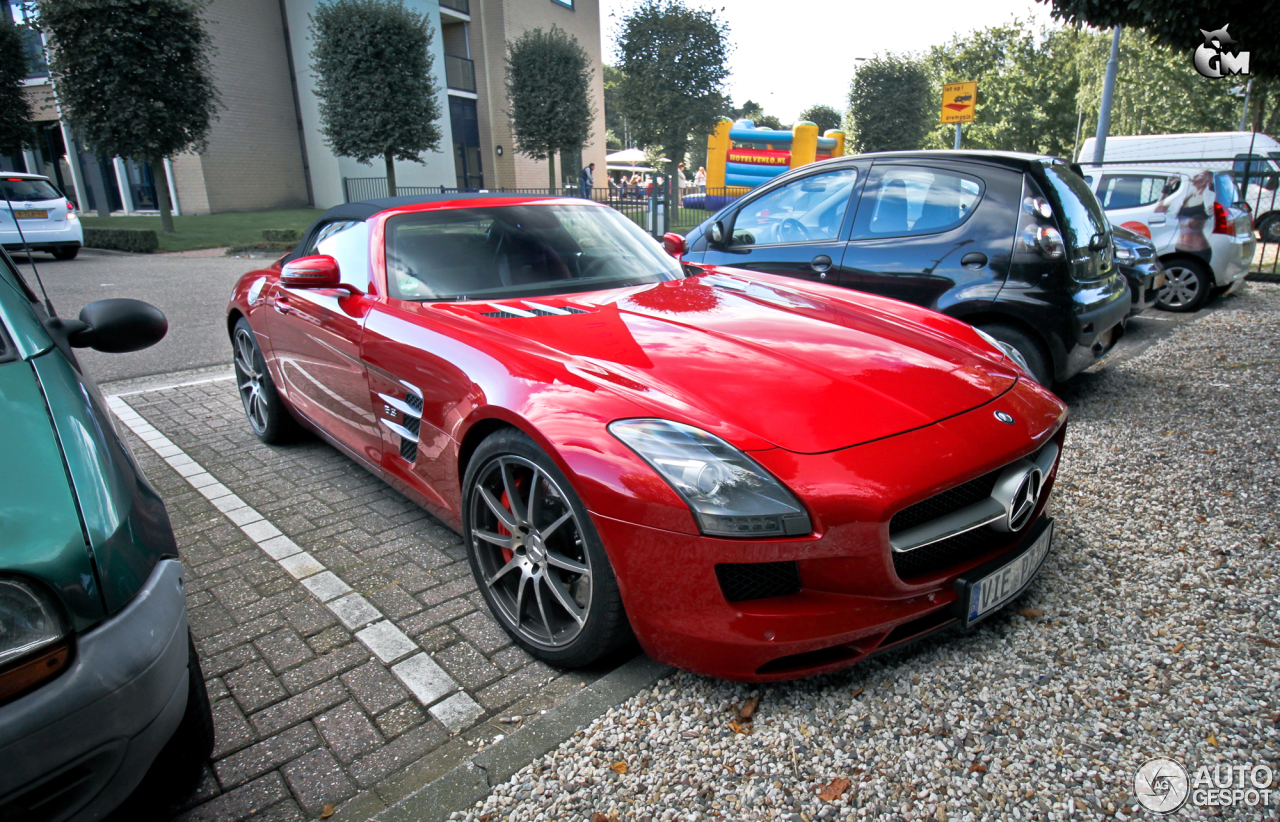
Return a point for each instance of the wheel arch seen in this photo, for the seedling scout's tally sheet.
(1054, 354)
(233, 316)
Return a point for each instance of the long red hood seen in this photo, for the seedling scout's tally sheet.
(804, 371)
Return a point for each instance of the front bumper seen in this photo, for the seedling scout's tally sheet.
(75, 747)
(851, 601)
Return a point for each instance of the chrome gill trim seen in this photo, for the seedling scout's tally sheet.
(413, 388)
(548, 308)
(400, 429)
(401, 406)
(993, 509)
(510, 309)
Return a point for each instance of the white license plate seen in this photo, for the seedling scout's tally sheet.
(31, 214)
(998, 587)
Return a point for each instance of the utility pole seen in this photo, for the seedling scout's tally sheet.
(1244, 112)
(1108, 90)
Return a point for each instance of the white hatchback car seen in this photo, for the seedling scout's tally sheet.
(1203, 238)
(34, 211)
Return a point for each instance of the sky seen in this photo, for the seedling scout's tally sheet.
(826, 36)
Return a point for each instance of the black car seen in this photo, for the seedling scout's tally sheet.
(1015, 244)
(1137, 261)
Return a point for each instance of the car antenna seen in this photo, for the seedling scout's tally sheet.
(27, 248)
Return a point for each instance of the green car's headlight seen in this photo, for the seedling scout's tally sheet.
(29, 619)
(730, 494)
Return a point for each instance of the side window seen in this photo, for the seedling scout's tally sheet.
(348, 243)
(809, 209)
(905, 200)
(1130, 190)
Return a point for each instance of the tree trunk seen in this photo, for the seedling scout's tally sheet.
(551, 173)
(391, 174)
(162, 194)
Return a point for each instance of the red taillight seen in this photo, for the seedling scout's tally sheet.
(1222, 224)
(70, 206)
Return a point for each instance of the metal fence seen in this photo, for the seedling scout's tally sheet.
(656, 207)
(1257, 187)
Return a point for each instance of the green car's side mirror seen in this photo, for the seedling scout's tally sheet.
(117, 326)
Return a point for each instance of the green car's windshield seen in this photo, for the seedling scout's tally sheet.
(519, 251)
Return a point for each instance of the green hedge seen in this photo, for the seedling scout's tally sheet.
(281, 235)
(136, 240)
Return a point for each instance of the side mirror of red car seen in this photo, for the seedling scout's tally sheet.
(674, 244)
(317, 271)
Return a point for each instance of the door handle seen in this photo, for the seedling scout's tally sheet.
(821, 263)
(974, 259)
(282, 304)
(1156, 219)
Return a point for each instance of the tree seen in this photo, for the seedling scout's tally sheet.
(15, 125)
(891, 104)
(674, 65)
(1177, 24)
(1027, 88)
(824, 117)
(616, 118)
(373, 66)
(549, 90)
(134, 78)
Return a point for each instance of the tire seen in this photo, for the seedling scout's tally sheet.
(268, 418)
(1037, 360)
(66, 253)
(1188, 285)
(529, 576)
(1269, 228)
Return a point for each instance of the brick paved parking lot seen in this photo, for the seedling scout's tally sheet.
(348, 656)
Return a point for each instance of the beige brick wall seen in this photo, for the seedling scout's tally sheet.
(188, 179)
(254, 158)
(501, 21)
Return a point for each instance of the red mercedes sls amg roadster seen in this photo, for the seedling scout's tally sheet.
(757, 477)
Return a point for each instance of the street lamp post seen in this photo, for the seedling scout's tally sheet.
(1108, 90)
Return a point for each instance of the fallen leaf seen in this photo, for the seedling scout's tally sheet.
(739, 728)
(730, 769)
(1180, 647)
(326, 812)
(834, 790)
(857, 692)
(748, 708)
(977, 767)
(599, 817)
(1213, 740)
(1031, 613)
(1268, 642)
(618, 768)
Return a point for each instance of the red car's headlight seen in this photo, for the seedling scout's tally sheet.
(730, 494)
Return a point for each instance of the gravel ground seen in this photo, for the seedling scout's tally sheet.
(1152, 631)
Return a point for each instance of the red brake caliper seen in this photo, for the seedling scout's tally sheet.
(502, 529)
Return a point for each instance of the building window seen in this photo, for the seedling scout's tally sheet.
(23, 14)
(567, 3)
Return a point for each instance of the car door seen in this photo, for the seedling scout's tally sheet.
(933, 234)
(796, 229)
(315, 338)
(1149, 199)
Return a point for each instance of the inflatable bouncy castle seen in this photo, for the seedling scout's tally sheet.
(741, 156)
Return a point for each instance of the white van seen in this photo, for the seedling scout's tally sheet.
(1216, 151)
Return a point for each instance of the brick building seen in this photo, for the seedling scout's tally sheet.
(266, 150)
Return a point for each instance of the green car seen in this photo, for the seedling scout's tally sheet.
(99, 679)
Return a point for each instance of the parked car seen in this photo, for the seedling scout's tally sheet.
(1244, 153)
(1014, 244)
(99, 680)
(1203, 237)
(1137, 261)
(741, 469)
(33, 213)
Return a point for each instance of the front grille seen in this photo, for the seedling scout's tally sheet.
(756, 580)
(943, 554)
(948, 502)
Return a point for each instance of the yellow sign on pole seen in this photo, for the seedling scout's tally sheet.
(958, 100)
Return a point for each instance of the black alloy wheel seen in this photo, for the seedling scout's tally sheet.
(536, 556)
(270, 421)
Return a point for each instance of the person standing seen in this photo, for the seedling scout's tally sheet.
(700, 180)
(586, 180)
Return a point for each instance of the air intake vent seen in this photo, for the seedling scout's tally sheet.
(948, 502)
(757, 580)
(534, 310)
(501, 315)
(573, 310)
(409, 410)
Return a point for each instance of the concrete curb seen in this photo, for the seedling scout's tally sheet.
(1260, 277)
(472, 780)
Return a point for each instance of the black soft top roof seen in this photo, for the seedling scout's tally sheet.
(367, 208)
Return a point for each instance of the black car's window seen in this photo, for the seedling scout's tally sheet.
(348, 243)
(809, 209)
(904, 200)
(17, 188)
(1130, 190)
(1079, 214)
(517, 251)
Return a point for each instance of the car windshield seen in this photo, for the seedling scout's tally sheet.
(519, 251)
(20, 188)
(1081, 216)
